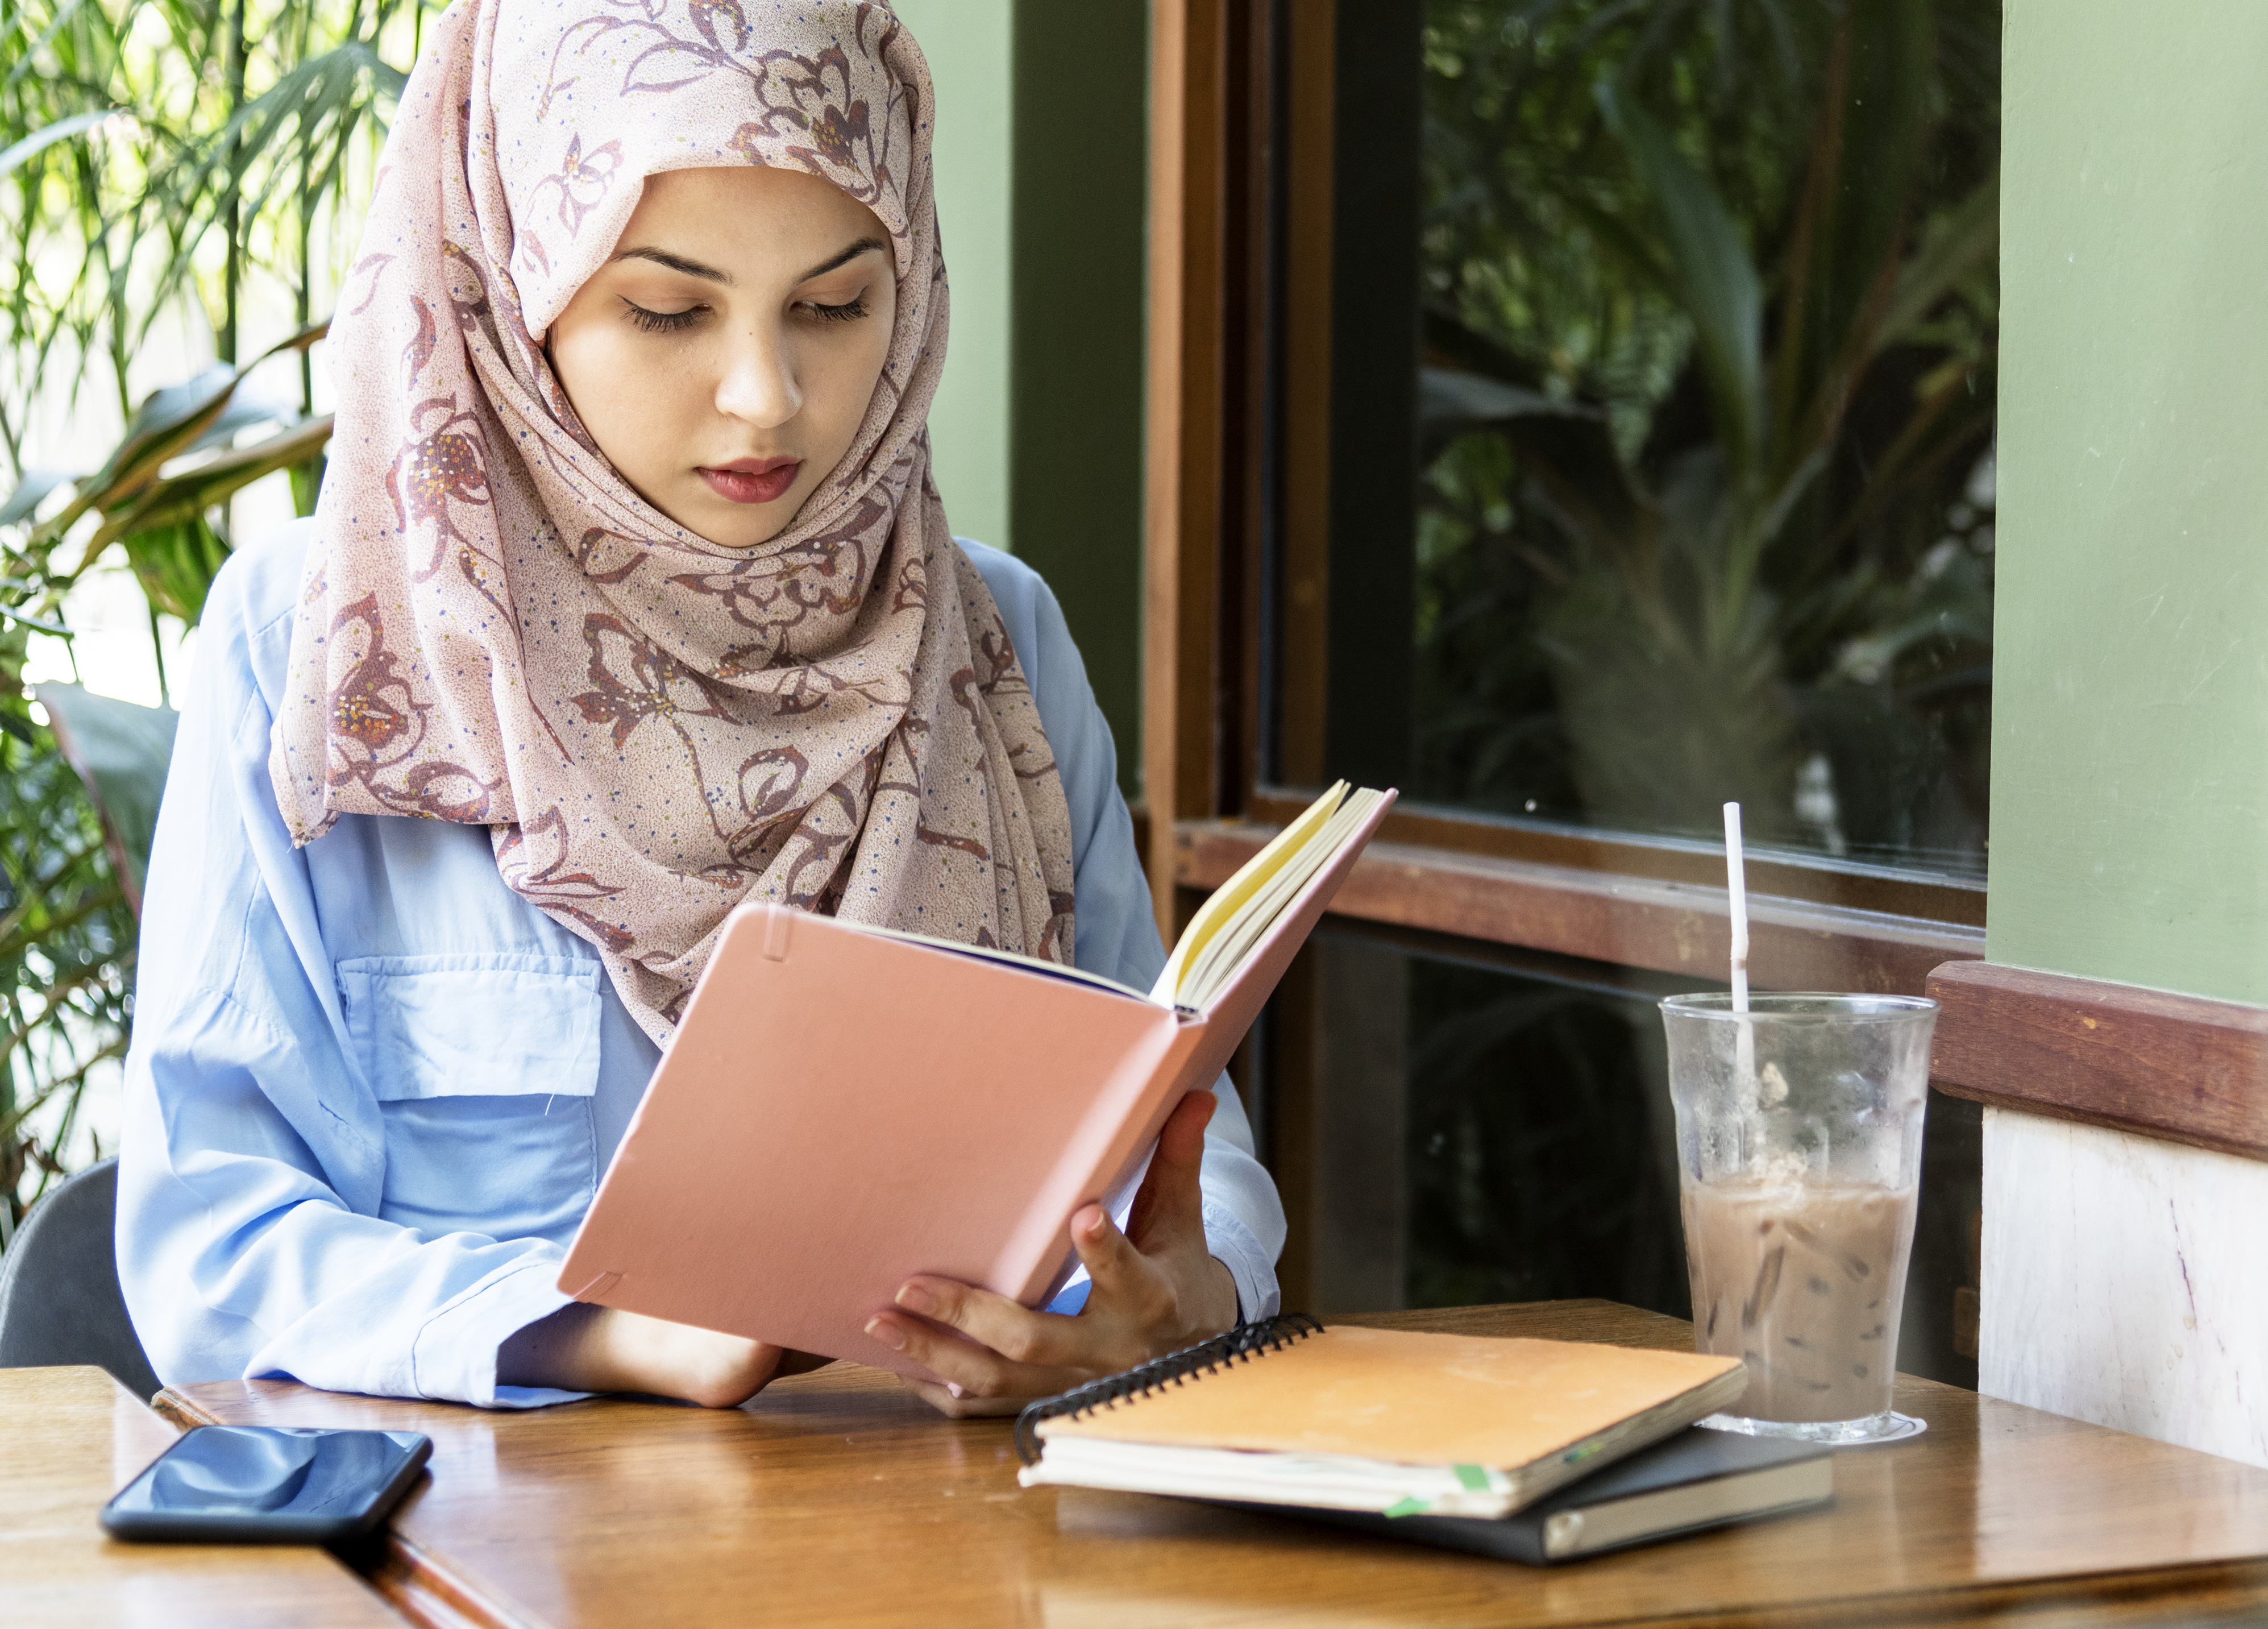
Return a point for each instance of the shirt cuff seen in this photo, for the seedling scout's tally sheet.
(1233, 1245)
(454, 1357)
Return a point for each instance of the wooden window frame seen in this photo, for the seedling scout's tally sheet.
(1240, 200)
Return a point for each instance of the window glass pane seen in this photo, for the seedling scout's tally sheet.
(1541, 1157)
(1495, 1126)
(1708, 300)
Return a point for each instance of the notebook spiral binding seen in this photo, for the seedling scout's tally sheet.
(1240, 1342)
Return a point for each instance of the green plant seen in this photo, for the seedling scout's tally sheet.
(200, 161)
(66, 961)
(69, 863)
(1735, 282)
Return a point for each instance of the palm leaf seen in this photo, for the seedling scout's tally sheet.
(1968, 240)
(121, 752)
(1848, 248)
(1709, 274)
(12, 158)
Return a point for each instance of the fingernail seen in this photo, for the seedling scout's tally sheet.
(1090, 1221)
(954, 1386)
(886, 1332)
(913, 1298)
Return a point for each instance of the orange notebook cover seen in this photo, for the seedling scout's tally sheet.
(783, 1176)
(1350, 1415)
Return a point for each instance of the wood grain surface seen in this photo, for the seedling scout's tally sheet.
(2177, 1067)
(1780, 873)
(1670, 925)
(69, 1438)
(836, 1498)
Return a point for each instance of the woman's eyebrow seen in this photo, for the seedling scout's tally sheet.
(677, 263)
(845, 258)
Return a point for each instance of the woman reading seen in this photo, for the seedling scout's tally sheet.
(629, 599)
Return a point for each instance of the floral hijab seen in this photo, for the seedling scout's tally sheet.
(494, 629)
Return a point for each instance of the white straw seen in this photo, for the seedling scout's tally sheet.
(1736, 888)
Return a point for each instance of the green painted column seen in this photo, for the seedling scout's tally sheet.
(1041, 161)
(970, 48)
(1082, 105)
(2121, 1278)
(2130, 737)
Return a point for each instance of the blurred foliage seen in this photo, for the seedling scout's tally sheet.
(162, 149)
(166, 159)
(1711, 323)
(66, 958)
(1541, 1162)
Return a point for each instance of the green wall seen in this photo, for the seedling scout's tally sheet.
(1081, 163)
(1037, 430)
(2130, 740)
(969, 44)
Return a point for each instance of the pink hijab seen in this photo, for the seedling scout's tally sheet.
(495, 630)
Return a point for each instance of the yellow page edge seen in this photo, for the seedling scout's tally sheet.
(1215, 912)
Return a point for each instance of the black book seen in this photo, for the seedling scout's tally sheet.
(1696, 1480)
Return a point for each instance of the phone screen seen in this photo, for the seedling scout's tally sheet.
(272, 1484)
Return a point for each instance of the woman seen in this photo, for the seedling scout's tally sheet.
(628, 599)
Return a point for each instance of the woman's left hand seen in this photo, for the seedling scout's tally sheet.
(1156, 1288)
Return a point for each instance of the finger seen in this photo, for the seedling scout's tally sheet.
(1172, 1193)
(1016, 1333)
(1110, 1256)
(977, 1370)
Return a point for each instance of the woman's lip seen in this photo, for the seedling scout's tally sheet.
(752, 480)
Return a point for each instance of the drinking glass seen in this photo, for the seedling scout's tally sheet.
(1799, 1142)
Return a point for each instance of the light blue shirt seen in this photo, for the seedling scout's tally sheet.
(372, 1090)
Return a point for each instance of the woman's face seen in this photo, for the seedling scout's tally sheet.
(724, 357)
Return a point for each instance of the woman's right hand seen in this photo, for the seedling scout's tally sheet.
(587, 1348)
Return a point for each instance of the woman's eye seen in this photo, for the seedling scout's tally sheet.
(849, 310)
(662, 322)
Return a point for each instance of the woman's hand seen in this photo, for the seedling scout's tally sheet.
(585, 1348)
(1156, 1288)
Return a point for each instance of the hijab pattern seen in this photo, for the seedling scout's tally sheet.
(494, 629)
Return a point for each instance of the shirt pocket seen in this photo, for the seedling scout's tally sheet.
(484, 1068)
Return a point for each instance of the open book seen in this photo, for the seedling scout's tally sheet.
(844, 1106)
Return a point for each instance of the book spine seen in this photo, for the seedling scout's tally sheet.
(1118, 1127)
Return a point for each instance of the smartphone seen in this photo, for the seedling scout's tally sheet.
(268, 1485)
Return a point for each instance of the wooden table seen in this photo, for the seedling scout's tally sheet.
(69, 1438)
(837, 1498)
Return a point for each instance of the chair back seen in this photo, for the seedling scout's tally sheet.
(60, 1302)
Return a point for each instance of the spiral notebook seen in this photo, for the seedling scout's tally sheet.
(1395, 1422)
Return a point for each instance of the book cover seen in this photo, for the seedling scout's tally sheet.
(787, 1171)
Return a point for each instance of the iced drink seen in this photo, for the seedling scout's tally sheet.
(1798, 1155)
(1804, 1282)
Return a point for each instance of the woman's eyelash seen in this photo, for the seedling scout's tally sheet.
(661, 321)
(850, 310)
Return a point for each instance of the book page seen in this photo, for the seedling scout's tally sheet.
(1216, 965)
(1215, 914)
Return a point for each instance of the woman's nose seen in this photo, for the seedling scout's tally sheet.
(758, 387)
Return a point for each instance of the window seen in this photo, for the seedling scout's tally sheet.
(1575, 413)
(1707, 311)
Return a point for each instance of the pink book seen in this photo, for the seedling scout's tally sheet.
(781, 1180)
